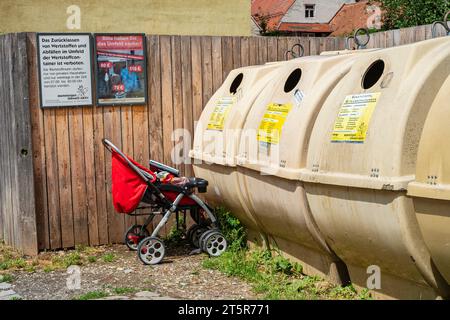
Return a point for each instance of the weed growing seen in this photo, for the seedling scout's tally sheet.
(271, 275)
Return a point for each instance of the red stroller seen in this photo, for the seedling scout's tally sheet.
(166, 193)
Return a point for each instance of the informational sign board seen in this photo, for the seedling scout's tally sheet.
(120, 69)
(353, 120)
(220, 113)
(269, 130)
(65, 69)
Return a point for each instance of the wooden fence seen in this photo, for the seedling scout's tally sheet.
(72, 187)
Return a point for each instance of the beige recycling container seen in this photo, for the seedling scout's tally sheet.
(217, 135)
(362, 155)
(431, 188)
(272, 151)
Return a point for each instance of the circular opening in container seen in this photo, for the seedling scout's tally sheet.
(373, 74)
(236, 83)
(293, 80)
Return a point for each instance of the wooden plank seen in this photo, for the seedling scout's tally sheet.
(178, 112)
(78, 173)
(141, 146)
(237, 52)
(25, 237)
(90, 176)
(155, 108)
(9, 143)
(51, 165)
(217, 74)
(37, 133)
(262, 50)
(111, 119)
(253, 51)
(126, 122)
(282, 48)
(245, 51)
(188, 121)
(272, 49)
(389, 39)
(167, 98)
(406, 36)
(314, 45)
(207, 81)
(227, 56)
(64, 177)
(4, 128)
(101, 185)
(420, 33)
(197, 83)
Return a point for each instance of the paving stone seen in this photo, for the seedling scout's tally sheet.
(114, 298)
(7, 293)
(147, 294)
(163, 298)
(5, 286)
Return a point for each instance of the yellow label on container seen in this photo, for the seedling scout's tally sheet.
(269, 130)
(220, 113)
(352, 122)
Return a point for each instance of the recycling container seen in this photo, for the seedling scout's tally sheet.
(217, 135)
(431, 188)
(272, 151)
(361, 157)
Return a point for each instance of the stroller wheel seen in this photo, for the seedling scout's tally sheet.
(134, 235)
(214, 243)
(204, 235)
(196, 234)
(151, 250)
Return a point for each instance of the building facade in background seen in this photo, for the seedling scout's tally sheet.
(171, 17)
(317, 18)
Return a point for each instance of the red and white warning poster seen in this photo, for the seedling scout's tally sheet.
(121, 69)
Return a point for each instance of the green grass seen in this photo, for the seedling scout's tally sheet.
(97, 294)
(6, 277)
(109, 257)
(125, 290)
(271, 275)
(18, 263)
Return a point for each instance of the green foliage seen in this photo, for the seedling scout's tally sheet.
(65, 261)
(176, 236)
(109, 257)
(408, 13)
(98, 294)
(232, 229)
(6, 277)
(18, 263)
(125, 290)
(270, 274)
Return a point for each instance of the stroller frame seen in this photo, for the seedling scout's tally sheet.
(161, 205)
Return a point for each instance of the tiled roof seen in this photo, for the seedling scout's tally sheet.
(273, 10)
(350, 16)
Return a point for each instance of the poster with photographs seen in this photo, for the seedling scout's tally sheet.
(121, 66)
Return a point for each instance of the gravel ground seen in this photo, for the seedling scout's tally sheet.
(180, 276)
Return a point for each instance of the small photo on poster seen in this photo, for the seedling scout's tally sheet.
(121, 66)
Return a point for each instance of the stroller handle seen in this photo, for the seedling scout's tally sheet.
(111, 147)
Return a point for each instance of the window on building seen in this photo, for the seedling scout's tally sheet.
(309, 10)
